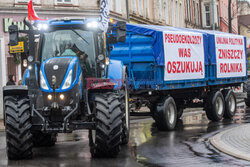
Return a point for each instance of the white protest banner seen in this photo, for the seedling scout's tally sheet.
(184, 55)
(230, 56)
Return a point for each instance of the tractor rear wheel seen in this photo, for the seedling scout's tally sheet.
(105, 140)
(43, 139)
(18, 128)
(126, 116)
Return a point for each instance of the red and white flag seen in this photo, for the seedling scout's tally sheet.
(32, 13)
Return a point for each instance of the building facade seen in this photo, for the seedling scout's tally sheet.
(244, 27)
(193, 17)
(244, 21)
(243, 7)
(223, 12)
(14, 11)
(210, 14)
(159, 12)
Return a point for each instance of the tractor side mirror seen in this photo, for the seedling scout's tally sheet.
(112, 39)
(13, 31)
(121, 31)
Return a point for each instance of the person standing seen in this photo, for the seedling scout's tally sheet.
(11, 80)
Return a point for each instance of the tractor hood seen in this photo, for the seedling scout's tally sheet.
(66, 70)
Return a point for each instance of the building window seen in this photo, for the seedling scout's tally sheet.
(173, 15)
(207, 12)
(115, 5)
(26, 1)
(189, 6)
(181, 13)
(110, 3)
(146, 4)
(71, 2)
(118, 6)
(194, 13)
(186, 15)
(133, 6)
(218, 16)
(177, 13)
(64, 1)
(140, 7)
(167, 12)
(198, 14)
(160, 10)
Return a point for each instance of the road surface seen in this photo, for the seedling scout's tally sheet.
(188, 145)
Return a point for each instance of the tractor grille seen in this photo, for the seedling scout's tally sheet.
(63, 64)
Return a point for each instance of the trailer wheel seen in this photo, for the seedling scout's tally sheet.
(44, 140)
(179, 112)
(166, 115)
(105, 140)
(215, 106)
(230, 103)
(152, 108)
(18, 128)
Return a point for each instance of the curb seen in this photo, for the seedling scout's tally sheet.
(217, 142)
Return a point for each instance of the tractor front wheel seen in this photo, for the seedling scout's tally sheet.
(106, 139)
(18, 128)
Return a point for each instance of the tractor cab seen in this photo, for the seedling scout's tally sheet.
(62, 42)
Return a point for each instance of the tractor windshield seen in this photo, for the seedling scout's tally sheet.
(74, 42)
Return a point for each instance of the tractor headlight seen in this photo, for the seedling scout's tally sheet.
(62, 96)
(92, 25)
(68, 81)
(50, 97)
(43, 82)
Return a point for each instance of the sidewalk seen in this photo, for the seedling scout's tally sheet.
(235, 142)
(2, 128)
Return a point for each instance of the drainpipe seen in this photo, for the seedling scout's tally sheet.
(213, 14)
(127, 7)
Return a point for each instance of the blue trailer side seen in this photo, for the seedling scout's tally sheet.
(144, 54)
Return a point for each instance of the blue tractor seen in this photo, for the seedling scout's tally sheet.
(70, 84)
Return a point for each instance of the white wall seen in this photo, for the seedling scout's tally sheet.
(2, 74)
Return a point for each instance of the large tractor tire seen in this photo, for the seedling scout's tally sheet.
(166, 115)
(18, 128)
(43, 139)
(125, 117)
(215, 106)
(247, 90)
(106, 139)
(230, 103)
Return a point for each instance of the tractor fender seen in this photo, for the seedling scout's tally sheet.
(15, 90)
(117, 73)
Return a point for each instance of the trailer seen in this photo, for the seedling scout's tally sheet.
(169, 67)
